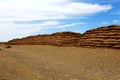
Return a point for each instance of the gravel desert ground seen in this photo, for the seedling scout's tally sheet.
(40, 62)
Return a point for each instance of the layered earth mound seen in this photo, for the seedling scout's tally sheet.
(57, 39)
(107, 36)
(102, 37)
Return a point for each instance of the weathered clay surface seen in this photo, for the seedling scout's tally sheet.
(108, 36)
(58, 39)
(102, 37)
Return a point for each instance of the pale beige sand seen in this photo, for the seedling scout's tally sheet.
(35, 62)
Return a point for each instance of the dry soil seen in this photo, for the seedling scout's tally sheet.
(37, 62)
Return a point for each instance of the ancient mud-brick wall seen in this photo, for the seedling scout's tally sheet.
(102, 37)
(58, 39)
(108, 36)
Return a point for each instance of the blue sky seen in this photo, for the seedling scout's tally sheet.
(20, 18)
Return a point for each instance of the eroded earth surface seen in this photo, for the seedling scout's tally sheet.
(35, 62)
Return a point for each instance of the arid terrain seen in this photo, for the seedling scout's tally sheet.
(40, 62)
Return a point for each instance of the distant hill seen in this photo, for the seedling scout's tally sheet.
(107, 36)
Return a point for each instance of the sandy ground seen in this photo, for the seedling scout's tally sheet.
(28, 62)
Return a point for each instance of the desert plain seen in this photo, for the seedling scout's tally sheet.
(44, 62)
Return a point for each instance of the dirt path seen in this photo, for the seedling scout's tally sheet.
(58, 63)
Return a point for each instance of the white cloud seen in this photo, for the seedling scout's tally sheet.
(115, 21)
(16, 10)
(11, 30)
(111, 22)
(70, 25)
(104, 22)
(27, 10)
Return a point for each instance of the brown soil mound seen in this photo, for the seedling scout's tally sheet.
(58, 39)
(108, 36)
(102, 37)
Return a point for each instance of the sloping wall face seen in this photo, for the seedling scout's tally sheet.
(58, 39)
(108, 36)
(102, 37)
